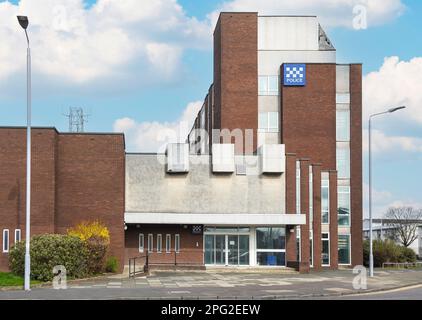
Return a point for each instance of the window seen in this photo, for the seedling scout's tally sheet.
(343, 125)
(343, 98)
(298, 246)
(177, 243)
(268, 122)
(343, 206)
(325, 249)
(344, 249)
(159, 243)
(141, 242)
(311, 247)
(268, 85)
(150, 243)
(298, 209)
(18, 235)
(271, 246)
(343, 160)
(168, 243)
(311, 198)
(5, 240)
(325, 201)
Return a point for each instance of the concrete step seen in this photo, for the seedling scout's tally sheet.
(246, 269)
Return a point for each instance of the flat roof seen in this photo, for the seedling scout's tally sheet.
(62, 133)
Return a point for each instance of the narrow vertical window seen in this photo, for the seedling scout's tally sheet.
(177, 243)
(325, 201)
(325, 249)
(168, 243)
(17, 235)
(298, 209)
(150, 243)
(141, 242)
(344, 249)
(344, 206)
(159, 243)
(311, 247)
(6, 241)
(311, 198)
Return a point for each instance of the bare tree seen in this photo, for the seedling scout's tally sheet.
(404, 223)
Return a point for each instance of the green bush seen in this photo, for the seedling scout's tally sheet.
(112, 265)
(387, 251)
(48, 251)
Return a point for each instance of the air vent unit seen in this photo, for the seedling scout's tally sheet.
(272, 158)
(177, 158)
(223, 158)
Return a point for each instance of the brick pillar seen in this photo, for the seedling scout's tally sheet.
(291, 255)
(333, 221)
(316, 171)
(304, 208)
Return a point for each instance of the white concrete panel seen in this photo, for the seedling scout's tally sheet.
(268, 104)
(288, 33)
(269, 62)
(215, 219)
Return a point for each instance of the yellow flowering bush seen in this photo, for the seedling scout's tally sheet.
(90, 230)
(96, 237)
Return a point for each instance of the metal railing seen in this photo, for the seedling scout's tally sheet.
(138, 265)
(401, 265)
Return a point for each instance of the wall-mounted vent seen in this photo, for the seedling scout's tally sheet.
(177, 158)
(223, 158)
(272, 158)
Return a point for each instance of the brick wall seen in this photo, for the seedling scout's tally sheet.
(356, 162)
(236, 74)
(74, 178)
(308, 116)
(191, 245)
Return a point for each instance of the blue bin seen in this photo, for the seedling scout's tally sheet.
(271, 260)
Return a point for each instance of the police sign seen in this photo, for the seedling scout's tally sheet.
(295, 75)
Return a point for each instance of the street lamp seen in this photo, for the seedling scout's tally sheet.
(24, 22)
(371, 255)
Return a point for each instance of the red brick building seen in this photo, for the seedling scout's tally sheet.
(270, 176)
(75, 178)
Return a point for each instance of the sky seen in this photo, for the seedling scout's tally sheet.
(144, 66)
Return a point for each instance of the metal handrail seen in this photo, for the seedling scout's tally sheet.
(134, 272)
(163, 258)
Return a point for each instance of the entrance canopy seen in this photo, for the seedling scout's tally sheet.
(215, 219)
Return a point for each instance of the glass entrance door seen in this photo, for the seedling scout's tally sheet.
(226, 249)
(220, 250)
(233, 252)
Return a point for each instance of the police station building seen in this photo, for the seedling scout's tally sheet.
(270, 175)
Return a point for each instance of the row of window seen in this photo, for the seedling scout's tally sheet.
(343, 204)
(159, 243)
(6, 239)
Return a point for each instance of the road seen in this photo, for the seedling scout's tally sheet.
(412, 293)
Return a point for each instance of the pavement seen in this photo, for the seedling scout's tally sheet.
(230, 286)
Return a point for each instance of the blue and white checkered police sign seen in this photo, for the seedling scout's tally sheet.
(295, 74)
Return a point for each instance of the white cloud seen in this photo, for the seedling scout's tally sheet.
(381, 143)
(331, 13)
(79, 45)
(383, 200)
(396, 83)
(153, 136)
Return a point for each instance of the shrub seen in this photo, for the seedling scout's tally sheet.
(96, 238)
(112, 265)
(387, 251)
(48, 251)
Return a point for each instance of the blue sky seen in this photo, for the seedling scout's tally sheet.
(149, 95)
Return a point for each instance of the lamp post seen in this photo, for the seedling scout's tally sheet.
(371, 255)
(24, 22)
